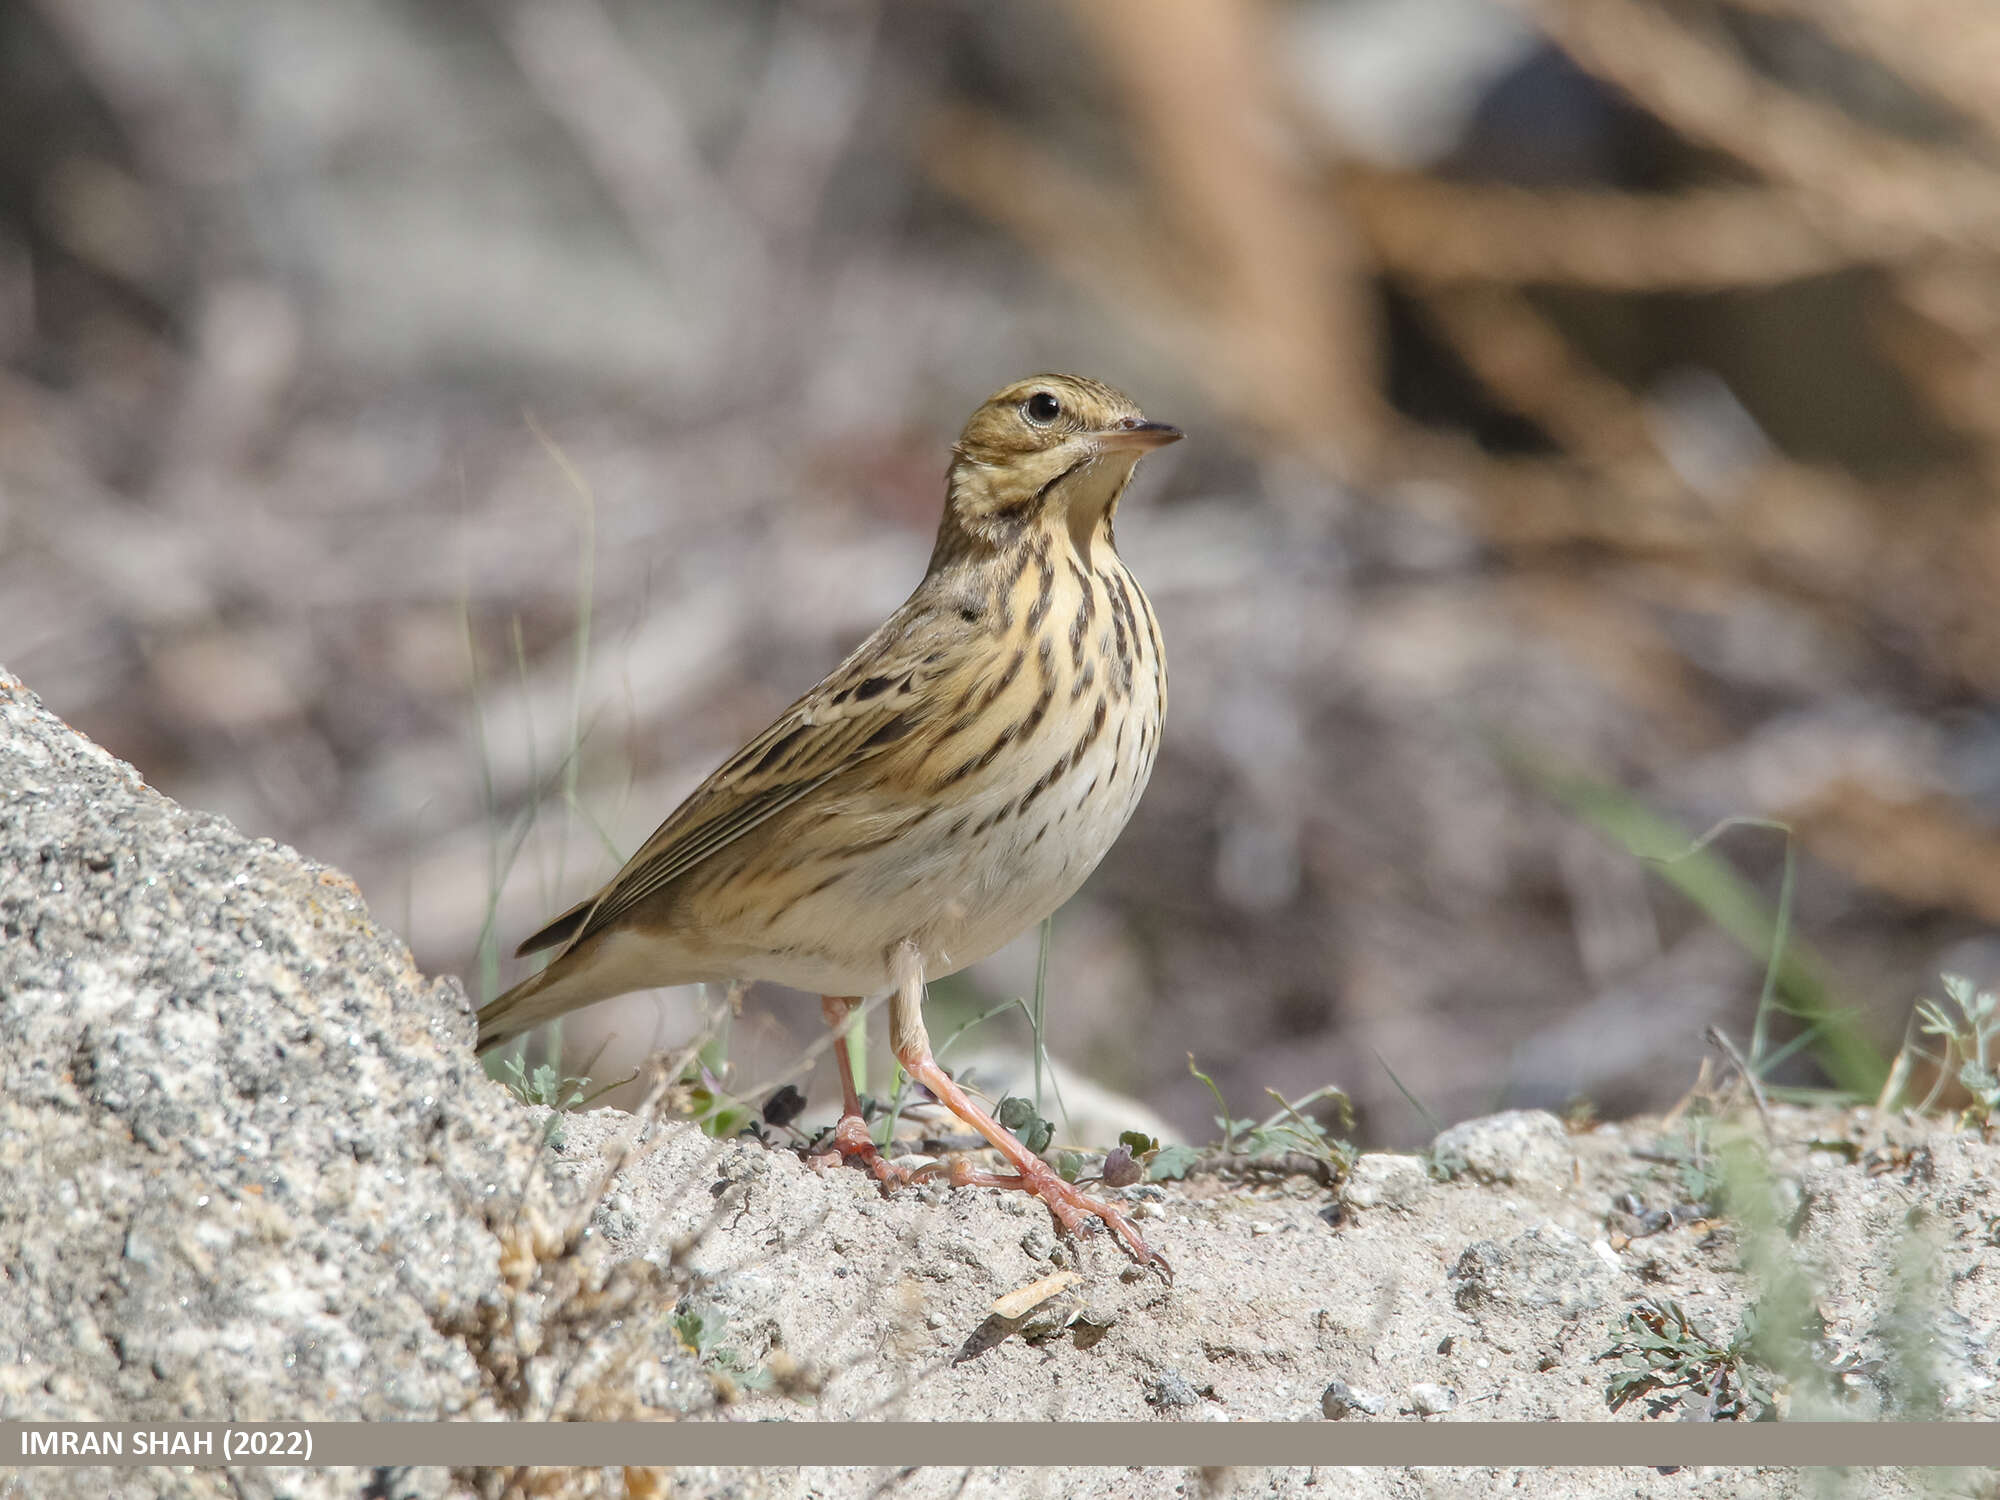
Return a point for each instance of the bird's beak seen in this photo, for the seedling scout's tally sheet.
(1137, 435)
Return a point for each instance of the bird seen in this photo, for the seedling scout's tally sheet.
(941, 791)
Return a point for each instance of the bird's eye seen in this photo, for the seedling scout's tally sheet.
(1041, 408)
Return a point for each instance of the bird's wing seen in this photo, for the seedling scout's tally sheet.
(877, 697)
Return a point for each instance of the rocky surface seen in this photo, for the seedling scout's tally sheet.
(253, 1170)
(250, 1161)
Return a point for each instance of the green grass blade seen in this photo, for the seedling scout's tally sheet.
(1796, 980)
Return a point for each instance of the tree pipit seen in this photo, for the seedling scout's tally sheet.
(940, 792)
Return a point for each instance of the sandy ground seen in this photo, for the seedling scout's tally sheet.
(255, 1173)
(1460, 1300)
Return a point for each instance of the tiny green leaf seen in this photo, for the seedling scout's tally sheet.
(1170, 1163)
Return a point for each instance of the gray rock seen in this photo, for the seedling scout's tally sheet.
(1170, 1389)
(1038, 1243)
(1428, 1400)
(1476, 1276)
(248, 1152)
(1384, 1180)
(1545, 1269)
(1521, 1148)
(1340, 1400)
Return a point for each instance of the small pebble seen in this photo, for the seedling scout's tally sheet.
(1384, 1180)
(1521, 1148)
(1172, 1389)
(1428, 1400)
(1340, 1400)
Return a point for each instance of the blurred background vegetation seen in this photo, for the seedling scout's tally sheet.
(1595, 416)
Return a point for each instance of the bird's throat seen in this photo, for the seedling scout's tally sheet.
(1089, 499)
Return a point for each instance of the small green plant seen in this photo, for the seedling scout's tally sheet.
(1158, 1163)
(1290, 1129)
(1443, 1164)
(701, 1328)
(1697, 1171)
(1665, 1355)
(1021, 1117)
(1227, 1123)
(1972, 1040)
(1286, 1131)
(1798, 982)
(1724, 1167)
(1432, 1124)
(548, 1087)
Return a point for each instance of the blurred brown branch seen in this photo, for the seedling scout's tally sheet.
(1098, 238)
(1917, 845)
(1283, 275)
(1951, 48)
(1691, 77)
(1435, 230)
(1942, 330)
(1525, 361)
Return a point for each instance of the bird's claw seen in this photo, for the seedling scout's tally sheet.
(1074, 1210)
(852, 1142)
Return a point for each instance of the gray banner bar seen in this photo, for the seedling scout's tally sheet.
(1500, 1444)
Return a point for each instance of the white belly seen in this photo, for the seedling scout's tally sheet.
(1027, 865)
(964, 895)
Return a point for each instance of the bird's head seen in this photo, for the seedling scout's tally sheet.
(1053, 450)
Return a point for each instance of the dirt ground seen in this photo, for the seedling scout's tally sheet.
(1490, 1295)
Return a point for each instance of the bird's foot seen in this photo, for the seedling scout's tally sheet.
(852, 1142)
(1073, 1208)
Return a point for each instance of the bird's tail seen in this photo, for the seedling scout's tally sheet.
(538, 998)
(598, 968)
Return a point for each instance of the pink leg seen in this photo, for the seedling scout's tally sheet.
(851, 1140)
(1070, 1205)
